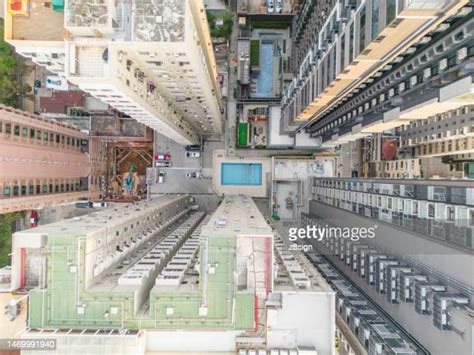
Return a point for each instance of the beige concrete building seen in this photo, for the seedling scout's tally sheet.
(44, 162)
(151, 60)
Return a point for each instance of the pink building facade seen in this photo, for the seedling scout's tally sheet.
(43, 162)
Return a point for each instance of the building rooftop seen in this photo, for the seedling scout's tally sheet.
(97, 221)
(43, 23)
(159, 20)
(237, 215)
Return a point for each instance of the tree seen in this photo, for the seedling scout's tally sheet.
(224, 31)
(12, 71)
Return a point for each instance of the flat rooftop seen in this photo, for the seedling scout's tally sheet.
(41, 24)
(81, 226)
(158, 20)
(237, 215)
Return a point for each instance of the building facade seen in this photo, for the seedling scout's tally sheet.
(157, 68)
(414, 265)
(43, 162)
(356, 43)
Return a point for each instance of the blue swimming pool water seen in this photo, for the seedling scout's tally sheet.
(265, 77)
(241, 174)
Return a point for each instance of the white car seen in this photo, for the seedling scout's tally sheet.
(161, 177)
(163, 164)
(279, 6)
(270, 6)
(194, 175)
(192, 154)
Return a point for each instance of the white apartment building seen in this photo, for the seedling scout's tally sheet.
(152, 60)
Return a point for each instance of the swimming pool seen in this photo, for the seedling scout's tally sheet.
(265, 77)
(241, 174)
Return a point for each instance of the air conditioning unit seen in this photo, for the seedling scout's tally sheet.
(442, 302)
(370, 262)
(380, 273)
(393, 286)
(423, 296)
(355, 255)
(361, 267)
(407, 282)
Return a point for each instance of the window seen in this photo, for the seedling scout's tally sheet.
(391, 11)
(32, 133)
(31, 189)
(450, 213)
(38, 135)
(16, 130)
(45, 136)
(16, 190)
(57, 138)
(375, 19)
(24, 132)
(1, 127)
(51, 137)
(45, 188)
(6, 191)
(68, 141)
(38, 189)
(362, 29)
(62, 140)
(23, 189)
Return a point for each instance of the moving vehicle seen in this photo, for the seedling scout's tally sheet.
(193, 147)
(192, 154)
(194, 175)
(163, 164)
(161, 177)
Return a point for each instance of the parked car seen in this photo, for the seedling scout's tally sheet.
(163, 164)
(279, 6)
(162, 157)
(193, 147)
(194, 175)
(192, 154)
(161, 177)
(34, 218)
(86, 204)
(270, 6)
(100, 204)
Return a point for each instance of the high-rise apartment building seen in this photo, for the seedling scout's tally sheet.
(151, 60)
(44, 162)
(359, 42)
(414, 265)
(162, 276)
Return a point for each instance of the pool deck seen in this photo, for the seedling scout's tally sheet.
(254, 191)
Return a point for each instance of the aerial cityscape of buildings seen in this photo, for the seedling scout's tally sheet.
(251, 177)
